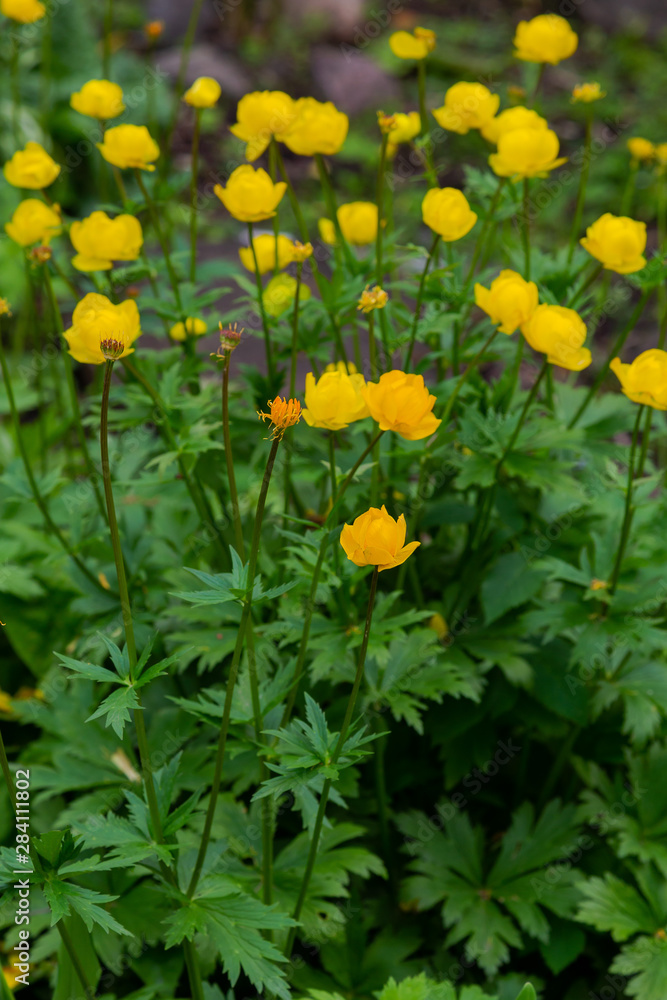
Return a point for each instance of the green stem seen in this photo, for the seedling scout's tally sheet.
(581, 193)
(431, 175)
(193, 196)
(418, 302)
(295, 332)
(182, 70)
(593, 276)
(372, 347)
(332, 466)
(525, 228)
(106, 47)
(330, 199)
(522, 416)
(516, 369)
(379, 266)
(88, 991)
(628, 512)
(229, 459)
(463, 378)
(273, 173)
(194, 974)
(324, 796)
(16, 93)
(629, 190)
(270, 367)
(150, 204)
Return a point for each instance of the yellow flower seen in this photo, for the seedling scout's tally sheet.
(204, 93)
(95, 319)
(31, 167)
(358, 221)
(511, 119)
(129, 146)
(302, 251)
(661, 153)
(23, 11)
(559, 333)
(526, 152)
(446, 211)
(280, 293)
(467, 105)
(617, 242)
(282, 414)
(153, 29)
(547, 38)
(509, 302)
(33, 222)
(5, 308)
(405, 128)
(99, 240)
(334, 400)
(265, 249)
(401, 402)
(596, 584)
(98, 99)
(641, 149)
(348, 368)
(250, 195)
(317, 128)
(645, 380)
(327, 231)
(261, 115)
(192, 327)
(376, 539)
(412, 46)
(372, 298)
(585, 93)
(438, 624)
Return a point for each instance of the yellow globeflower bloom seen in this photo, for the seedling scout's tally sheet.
(641, 149)
(401, 402)
(467, 105)
(193, 327)
(526, 152)
(265, 249)
(327, 231)
(261, 115)
(509, 302)
(415, 45)
(34, 222)
(645, 380)
(585, 93)
(446, 211)
(98, 99)
(99, 241)
(661, 153)
(31, 167)
(129, 146)
(283, 413)
(559, 333)
(334, 400)
(358, 221)
(316, 128)
(405, 127)
(280, 293)
(250, 195)
(617, 242)
(547, 38)
(372, 298)
(204, 93)
(96, 319)
(376, 539)
(23, 11)
(511, 119)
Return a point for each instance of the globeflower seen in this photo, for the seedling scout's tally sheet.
(99, 241)
(316, 128)
(446, 211)
(401, 402)
(265, 250)
(33, 222)
(129, 147)
(96, 319)
(586, 93)
(547, 38)
(334, 400)
(405, 127)
(100, 99)
(559, 333)
(372, 298)
(467, 105)
(23, 11)
(260, 116)
(193, 327)
(641, 149)
(645, 380)
(412, 45)
(283, 413)
(250, 195)
(280, 293)
(204, 93)
(511, 119)
(376, 539)
(617, 242)
(358, 221)
(526, 152)
(510, 301)
(31, 167)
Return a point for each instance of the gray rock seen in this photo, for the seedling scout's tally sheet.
(340, 18)
(351, 79)
(207, 60)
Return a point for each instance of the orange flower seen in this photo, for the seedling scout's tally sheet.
(283, 413)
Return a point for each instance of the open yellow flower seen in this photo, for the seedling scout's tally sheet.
(31, 167)
(547, 38)
(193, 327)
(446, 211)
(641, 149)
(99, 241)
(98, 99)
(645, 380)
(467, 105)
(559, 333)
(586, 93)
(376, 539)
(511, 119)
(96, 319)
(23, 11)
(372, 298)
(617, 242)
(316, 128)
(334, 400)
(250, 195)
(358, 221)
(283, 413)
(204, 93)
(404, 128)
(260, 116)
(33, 222)
(526, 152)
(129, 147)
(401, 402)
(412, 45)
(509, 302)
(265, 250)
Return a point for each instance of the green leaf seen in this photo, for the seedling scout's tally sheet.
(68, 984)
(116, 709)
(63, 897)
(509, 583)
(645, 960)
(91, 671)
(615, 906)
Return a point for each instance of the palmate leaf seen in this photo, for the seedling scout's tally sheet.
(63, 897)
(645, 960)
(615, 906)
(116, 709)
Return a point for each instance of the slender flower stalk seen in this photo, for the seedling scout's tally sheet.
(583, 180)
(229, 459)
(629, 190)
(326, 788)
(423, 132)
(15, 88)
(268, 350)
(418, 302)
(332, 465)
(372, 347)
(595, 272)
(292, 378)
(379, 263)
(88, 991)
(522, 417)
(525, 228)
(463, 378)
(152, 211)
(273, 173)
(629, 509)
(332, 209)
(180, 80)
(193, 196)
